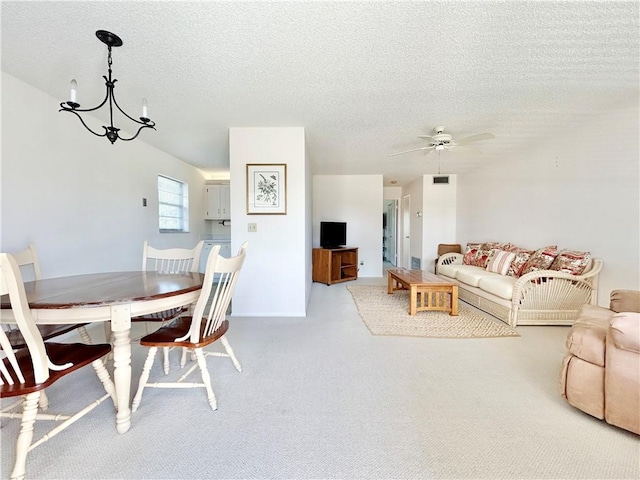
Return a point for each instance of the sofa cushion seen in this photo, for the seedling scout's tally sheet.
(541, 259)
(625, 332)
(450, 270)
(470, 253)
(499, 285)
(571, 261)
(499, 261)
(471, 275)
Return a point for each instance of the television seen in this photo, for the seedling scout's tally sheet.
(333, 234)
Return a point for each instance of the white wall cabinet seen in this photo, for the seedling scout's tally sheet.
(217, 201)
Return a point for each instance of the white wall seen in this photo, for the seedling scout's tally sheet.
(275, 277)
(438, 217)
(392, 193)
(579, 190)
(76, 196)
(308, 227)
(357, 200)
(432, 218)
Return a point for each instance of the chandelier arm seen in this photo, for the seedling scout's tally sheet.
(113, 97)
(137, 133)
(71, 110)
(65, 106)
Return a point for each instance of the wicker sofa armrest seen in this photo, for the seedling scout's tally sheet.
(594, 268)
(544, 290)
(450, 259)
(568, 288)
(625, 331)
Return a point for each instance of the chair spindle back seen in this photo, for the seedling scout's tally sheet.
(171, 260)
(216, 296)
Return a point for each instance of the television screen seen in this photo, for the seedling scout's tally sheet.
(333, 234)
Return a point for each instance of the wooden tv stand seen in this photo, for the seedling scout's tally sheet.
(334, 265)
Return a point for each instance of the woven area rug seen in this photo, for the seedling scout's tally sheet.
(385, 314)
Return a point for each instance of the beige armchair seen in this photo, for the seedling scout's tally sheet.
(601, 371)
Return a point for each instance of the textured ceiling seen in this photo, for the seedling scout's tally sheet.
(363, 78)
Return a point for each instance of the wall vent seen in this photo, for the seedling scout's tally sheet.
(416, 263)
(444, 179)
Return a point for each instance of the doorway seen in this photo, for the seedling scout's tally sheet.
(389, 232)
(406, 232)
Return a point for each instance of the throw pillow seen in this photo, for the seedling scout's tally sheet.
(571, 261)
(500, 261)
(522, 256)
(482, 256)
(507, 247)
(470, 253)
(541, 259)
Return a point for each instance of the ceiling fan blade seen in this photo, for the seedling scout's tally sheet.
(467, 147)
(476, 138)
(427, 137)
(408, 151)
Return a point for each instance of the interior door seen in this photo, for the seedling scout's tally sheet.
(392, 227)
(406, 232)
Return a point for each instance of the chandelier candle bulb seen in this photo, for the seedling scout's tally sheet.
(144, 108)
(74, 88)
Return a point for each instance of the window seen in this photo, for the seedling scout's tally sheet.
(173, 205)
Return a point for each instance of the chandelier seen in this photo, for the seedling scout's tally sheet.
(111, 132)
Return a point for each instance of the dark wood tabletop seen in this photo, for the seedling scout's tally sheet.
(99, 289)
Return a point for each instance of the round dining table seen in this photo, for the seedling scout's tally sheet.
(114, 297)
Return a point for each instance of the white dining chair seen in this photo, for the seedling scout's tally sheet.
(27, 371)
(207, 325)
(28, 262)
(28, 259)
(168, 260)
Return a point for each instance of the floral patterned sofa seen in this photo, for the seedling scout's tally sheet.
(546, 286)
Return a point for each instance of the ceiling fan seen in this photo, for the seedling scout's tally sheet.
(443, 141)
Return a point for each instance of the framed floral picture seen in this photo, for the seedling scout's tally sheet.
(267, 189)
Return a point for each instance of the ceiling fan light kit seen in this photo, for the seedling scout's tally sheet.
(440, 141)
(111, 132)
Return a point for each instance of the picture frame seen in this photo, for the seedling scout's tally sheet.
(267, 189)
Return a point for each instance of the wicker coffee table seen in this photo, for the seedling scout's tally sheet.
(428, 292)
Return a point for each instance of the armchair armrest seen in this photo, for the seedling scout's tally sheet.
(625, 301)
(590, 314)
(625, 331)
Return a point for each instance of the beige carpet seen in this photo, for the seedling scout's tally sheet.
(385, 314)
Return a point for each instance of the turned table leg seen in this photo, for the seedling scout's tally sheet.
(121, 327)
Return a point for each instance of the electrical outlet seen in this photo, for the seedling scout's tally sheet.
(144, 202)
(252, 227)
